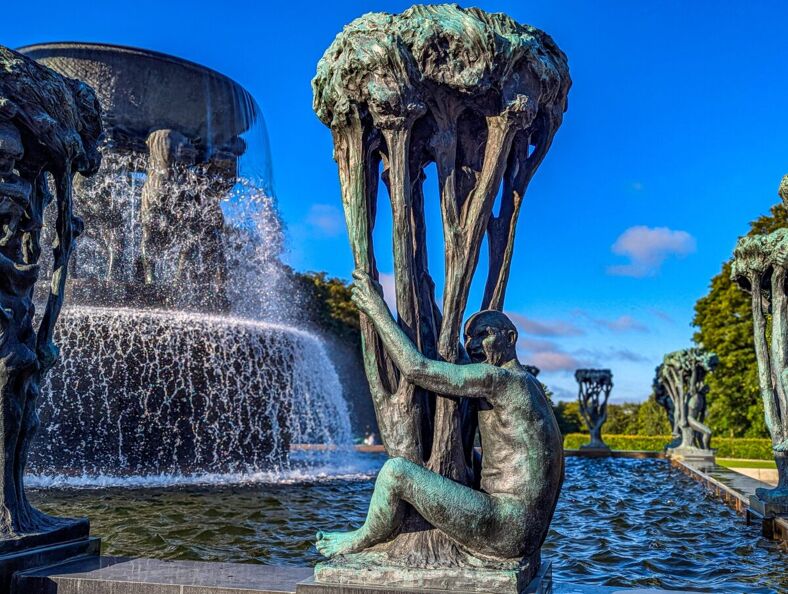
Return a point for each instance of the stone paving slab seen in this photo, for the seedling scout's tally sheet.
(117, 575)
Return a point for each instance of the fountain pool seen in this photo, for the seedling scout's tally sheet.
(619, 522)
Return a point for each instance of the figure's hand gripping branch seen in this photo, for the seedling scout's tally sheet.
(472, 381)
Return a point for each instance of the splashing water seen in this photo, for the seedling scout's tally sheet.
(158, 392)
(168, 372)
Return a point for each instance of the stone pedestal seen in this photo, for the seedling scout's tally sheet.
(696, 455)
(116, 575)
(29, 558)
(767, 509)
(343, 579)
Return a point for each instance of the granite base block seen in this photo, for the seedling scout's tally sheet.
(416, 581)
(23, 560)
(692, 455)
(118, 575)
(767, 509)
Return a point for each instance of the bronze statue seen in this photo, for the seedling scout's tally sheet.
(481, 96)
(508, 514)
(760, 266)
(49, 129)
(594, 386)
(683, 376)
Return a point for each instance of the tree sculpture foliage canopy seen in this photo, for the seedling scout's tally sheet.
(723, 319)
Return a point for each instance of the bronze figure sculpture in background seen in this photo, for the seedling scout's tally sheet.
(665, 401)
(481, 96)
(594, 386)
(49, 130)
(683, 375)
(760, 266)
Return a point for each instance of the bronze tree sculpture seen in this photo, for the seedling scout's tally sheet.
(663, 398)
(683, 375)
(594, 387)
(481, 97)
(760, 266)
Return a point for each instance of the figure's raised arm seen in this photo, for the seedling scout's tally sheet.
(474, 380)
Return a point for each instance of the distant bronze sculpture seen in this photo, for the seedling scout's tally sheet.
(665, 401)
(181, 218)
(683, 374)
(170, 155)
(49, 128)
(481, 96)
(179, 138)
(760, 266)
(594, 387)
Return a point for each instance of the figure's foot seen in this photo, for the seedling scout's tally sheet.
(331, 544)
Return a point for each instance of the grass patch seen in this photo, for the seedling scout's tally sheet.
(733, 463)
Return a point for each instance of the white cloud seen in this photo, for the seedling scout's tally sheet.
(622, 324)
(544, 327)
(547, 356)
(326, 220)
(647, 248)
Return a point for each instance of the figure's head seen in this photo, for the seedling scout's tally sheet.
(490, 337)
(11, 149)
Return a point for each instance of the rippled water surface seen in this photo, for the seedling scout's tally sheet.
(619, 522)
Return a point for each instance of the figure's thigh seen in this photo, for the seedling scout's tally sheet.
(468, 516)
(697, 425)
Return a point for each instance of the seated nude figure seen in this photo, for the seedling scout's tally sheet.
(522, 457)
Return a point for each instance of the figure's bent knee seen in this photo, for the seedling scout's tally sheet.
(394, 470)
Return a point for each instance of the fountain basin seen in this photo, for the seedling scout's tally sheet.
(145, 392)
(142, 90)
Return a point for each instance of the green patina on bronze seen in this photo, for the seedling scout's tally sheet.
(681, 388)
(481, 96)
(760, 266)
(594, 386)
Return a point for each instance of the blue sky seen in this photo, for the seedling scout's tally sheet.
(676, 137)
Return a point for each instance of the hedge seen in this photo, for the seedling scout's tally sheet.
(727, 447)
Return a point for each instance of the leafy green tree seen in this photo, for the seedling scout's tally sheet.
(724, 325)
(568, 416)
(652, 419)
(622, 419)
(326, 302)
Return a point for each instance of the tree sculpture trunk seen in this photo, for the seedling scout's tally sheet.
(683, 376)
(594, 390)
(482, 97)
(49, 126)
(760, 266)
(665, 400)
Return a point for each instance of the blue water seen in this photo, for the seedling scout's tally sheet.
(619, 522)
